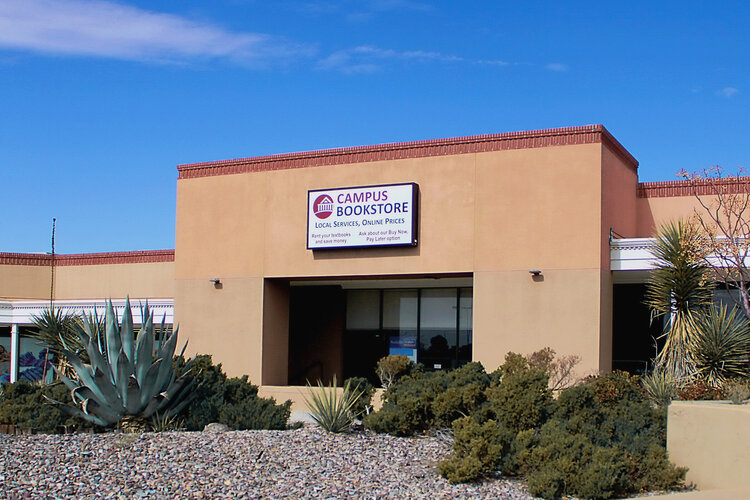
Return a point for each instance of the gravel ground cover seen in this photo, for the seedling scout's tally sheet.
(302, 463)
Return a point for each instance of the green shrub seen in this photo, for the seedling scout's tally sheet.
(614, 387)
(603, 439)
(407, 408)
(566, 463)
(478, 450)
(390, 368)
(699, 390)
(22, 404)
(520, 399)
(597, 440)
(231, 401)
(599, 452)
(425, 400)
(463, 397)
(363, 406)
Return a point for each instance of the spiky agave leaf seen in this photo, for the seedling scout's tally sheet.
(76, 412)
(148, 385)
(97, 382)
(127, 334)
(166, 369)
(144, 349)
(181, 399)
(112, 332)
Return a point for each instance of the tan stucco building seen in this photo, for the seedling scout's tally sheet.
(517, 241)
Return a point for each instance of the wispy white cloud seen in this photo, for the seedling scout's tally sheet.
(369, 59)
(369, 50)
(114, 30)
(493, 62)
(728, 92)
(344, 62)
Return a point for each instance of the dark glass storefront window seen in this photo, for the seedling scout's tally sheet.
(430, 325)
(438, 333)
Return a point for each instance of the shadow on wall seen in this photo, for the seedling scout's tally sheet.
(366, 253)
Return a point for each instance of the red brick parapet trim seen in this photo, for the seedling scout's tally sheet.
(87, 259)
(666, 189)
(587, 134)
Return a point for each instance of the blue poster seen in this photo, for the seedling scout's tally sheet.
(406, 346)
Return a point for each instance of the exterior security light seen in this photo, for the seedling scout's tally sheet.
(215, 281)
(535, 272)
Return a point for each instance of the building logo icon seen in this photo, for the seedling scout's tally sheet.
(323, 206)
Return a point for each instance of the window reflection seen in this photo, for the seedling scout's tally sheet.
(432, 326)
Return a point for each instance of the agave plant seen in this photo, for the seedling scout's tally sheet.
(124, 378)
(722, 345)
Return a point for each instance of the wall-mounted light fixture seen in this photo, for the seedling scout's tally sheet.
(535, 272)
(216, 282)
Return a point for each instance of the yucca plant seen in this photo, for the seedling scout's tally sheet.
(721, 346)
(331, 410)
(679, 289)
(125, 379)
(56, 329)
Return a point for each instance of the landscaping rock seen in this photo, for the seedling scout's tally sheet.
(216, 428)
(302, 463)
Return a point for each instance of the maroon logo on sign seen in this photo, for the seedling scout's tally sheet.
(323, 206)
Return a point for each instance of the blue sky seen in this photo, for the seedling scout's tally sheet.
(99, 101)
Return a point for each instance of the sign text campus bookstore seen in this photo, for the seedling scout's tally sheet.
(365, 216)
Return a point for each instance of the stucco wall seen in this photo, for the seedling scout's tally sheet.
(710, 438)
(138, 280)
(24, 282)
(653, 212)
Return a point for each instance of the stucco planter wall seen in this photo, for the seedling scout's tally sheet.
(712, 438)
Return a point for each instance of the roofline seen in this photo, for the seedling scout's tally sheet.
(587, 134)
(694, 187)
(87, 259)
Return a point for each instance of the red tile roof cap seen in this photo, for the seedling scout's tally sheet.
(586, 134)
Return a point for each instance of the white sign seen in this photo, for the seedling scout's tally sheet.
(368, 216)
